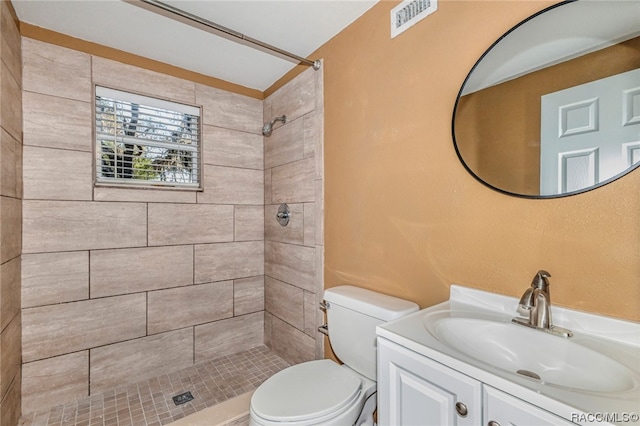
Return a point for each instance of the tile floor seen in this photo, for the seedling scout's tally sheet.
(150, 403)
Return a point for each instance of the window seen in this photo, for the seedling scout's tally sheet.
(144, 141)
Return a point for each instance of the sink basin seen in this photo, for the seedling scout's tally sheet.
(541, 357)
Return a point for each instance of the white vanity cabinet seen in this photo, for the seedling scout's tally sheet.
(414, 390)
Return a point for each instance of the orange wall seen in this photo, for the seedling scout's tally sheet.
(402, 216)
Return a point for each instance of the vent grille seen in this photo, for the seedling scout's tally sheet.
(409, 12)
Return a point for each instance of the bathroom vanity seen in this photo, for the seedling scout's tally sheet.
(463, 362)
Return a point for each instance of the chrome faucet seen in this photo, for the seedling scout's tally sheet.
(536, 302)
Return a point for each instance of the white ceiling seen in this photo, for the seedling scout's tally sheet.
(297, 26)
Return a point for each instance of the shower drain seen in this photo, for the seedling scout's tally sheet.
(183, 398)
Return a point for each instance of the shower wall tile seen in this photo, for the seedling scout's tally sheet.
(311, 136)
(319, 212)
(77, 225)
(54, 381)
(10, 344)
(11, 230)
(69, 327)
(267, 186)
(50, 278)
(11, 163)
(293, 182)
(311, 309)
(229, 185)
(228, 336)
(309, 224)
(234, 148)
(10, 405)
(56, 122)
(124, 271)
(249, 223)
(45, 168)
(285, 301)
(291, 263)
(11, 42)
(11, 106)
(171, 224)
(140, 359)
(292, 233)
(9, 283)
(296, 98)
(226, 261)
(55, 70)
(248, 295)
(290, 343)
(186, 306)
(229, 110)
(285, 145)
(117, 75)
(105, 193)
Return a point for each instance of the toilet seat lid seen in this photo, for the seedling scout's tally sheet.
(306, 391)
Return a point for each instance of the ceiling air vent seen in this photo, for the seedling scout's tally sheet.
(407, 13)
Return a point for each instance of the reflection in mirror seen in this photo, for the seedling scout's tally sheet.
(553, 107)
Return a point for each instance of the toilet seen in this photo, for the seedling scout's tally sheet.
(323, 392)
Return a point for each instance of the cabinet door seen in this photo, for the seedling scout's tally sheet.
(416, 391)
(505, 410)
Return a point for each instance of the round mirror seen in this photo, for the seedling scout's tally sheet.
(553, 107)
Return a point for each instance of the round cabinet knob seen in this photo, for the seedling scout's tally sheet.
(493, 423)
(462, 410)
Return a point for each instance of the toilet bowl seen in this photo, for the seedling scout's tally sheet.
(324, 392)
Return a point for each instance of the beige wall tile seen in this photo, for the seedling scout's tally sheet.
(11, 160)
(9, 291)
(285, 145)
(249, 223)
(319, 212)
(55, 122)
(105, 193)
(285, 301)
(140, 359)
(10, 405)
(290, 343)
(50, 278)
(55, 70)
(229, 185)
(10, 356)
(11, 228)
(171, 224)
(226, 261)
(311, 134)
(57, 174)
(117, 75)
(319, 145)
(291, 263)
(267, 186)
(296, 98)
(54, 381)
(229, 110)
(309, 224)
(293, 182)
(292, 233)
(248, 295)
(234, 148)
(123, 271)
(186, 306)
(228, 336)
(79, 225)
(69, 327)
(11, 42)
(311, 310)
(11, 106)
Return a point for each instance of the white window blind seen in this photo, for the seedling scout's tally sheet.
(146, 141)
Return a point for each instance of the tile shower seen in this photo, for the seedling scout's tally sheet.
(122, 285)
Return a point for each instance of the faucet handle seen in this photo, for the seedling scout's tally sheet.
(541, 280)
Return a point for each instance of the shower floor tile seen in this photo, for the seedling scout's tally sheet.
(150, 402)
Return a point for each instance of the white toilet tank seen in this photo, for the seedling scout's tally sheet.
(352, 316)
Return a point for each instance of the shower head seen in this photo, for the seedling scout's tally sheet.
(268, 127)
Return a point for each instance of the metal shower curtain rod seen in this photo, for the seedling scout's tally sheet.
(219, 30)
